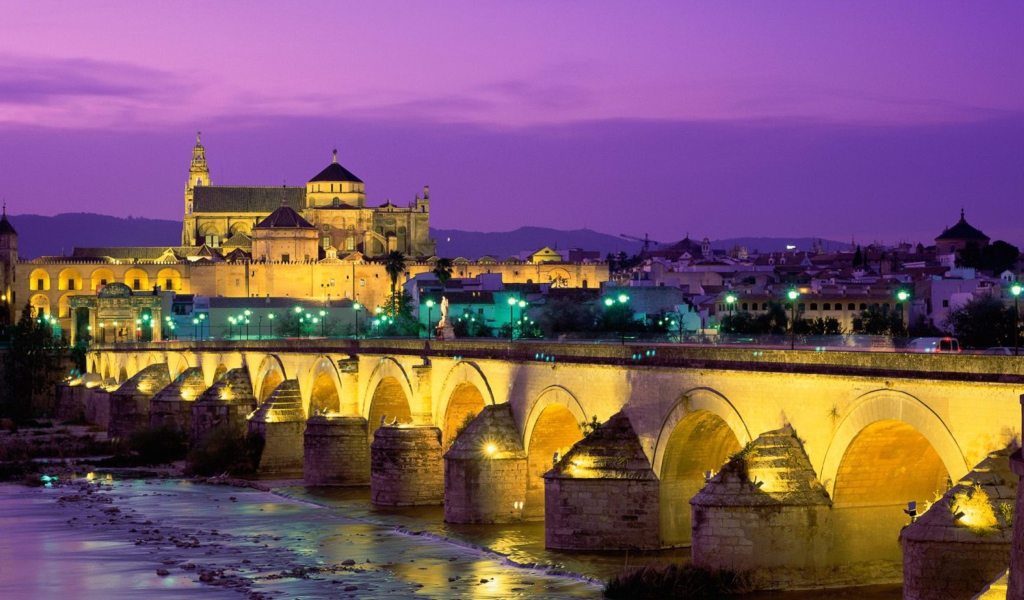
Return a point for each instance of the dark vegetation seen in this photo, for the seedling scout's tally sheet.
(675, 581)
(224, 451)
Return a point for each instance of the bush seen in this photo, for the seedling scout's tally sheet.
(674, 581)
(224, 451)
(158, 445)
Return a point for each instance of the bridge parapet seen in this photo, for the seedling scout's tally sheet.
(956, 367)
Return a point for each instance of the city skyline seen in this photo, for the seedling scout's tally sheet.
(869, 121)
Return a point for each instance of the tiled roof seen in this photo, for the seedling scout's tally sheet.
(336, 172)
(5, 225)
(284, 218)
(130, 252)
(249, 199)
(962, 231)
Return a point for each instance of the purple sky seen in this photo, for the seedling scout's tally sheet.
(874, 120)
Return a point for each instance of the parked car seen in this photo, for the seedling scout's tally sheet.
(934, 345)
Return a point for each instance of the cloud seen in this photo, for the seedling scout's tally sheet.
(37, 80)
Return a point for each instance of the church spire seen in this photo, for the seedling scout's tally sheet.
(284, 193)
(962, 213)
(335, 161)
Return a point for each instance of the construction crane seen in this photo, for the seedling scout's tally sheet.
(647, 241)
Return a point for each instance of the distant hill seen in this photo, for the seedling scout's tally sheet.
(766, 244)
(39, 235)
(502, 244)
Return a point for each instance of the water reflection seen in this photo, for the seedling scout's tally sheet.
(523, 543)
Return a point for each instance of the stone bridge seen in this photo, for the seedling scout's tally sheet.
(842, 440)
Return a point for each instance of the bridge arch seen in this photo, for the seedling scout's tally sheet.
(552, 425)
(465, 392)
(388, 393)
(324, 387)
(699, 434)
(177, 363)
(269, 375)
(888, 405)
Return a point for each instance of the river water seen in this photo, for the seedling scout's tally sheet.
(98, 540)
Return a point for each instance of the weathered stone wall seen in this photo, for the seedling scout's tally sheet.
(766, 514)
(175, 414)
(945, 556)
(406, 467)
(282, 446)
(69, 403)
(484, 490)
(97, 407)
(949, 570)
(129, 405)
(226, 404)
(603, 495)
(600, 514)
(335, 451)
(485, 471)
(781, 546)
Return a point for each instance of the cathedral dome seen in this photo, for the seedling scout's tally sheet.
(335, 173)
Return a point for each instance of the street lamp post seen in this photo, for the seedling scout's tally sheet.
(202, 320)
(511, 307)
(430, 315)
(246, 318)
(730, 300)
(793, 295)
(522, 317)
(259, 330)
(323, 323)
(358, 308)
(903, 295)
(1016, 290)
(271, 317)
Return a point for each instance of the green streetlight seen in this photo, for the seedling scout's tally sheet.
(358, 308)
(511, 306)
(1016, 289)
(430, 311)
(793, 295)
(730, 300)
(271, 317)
(902, 296)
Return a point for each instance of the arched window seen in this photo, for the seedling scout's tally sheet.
(744, 306)
(851, 306)
(863, 306)
(827, 306)
(814, 306)
(336, 202)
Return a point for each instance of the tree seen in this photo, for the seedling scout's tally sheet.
(400, 321)
(566, 316)
(982, 322)
(774, 321)
(879, 320)
(32, 366)
(820, 326)
(442, 270)
(858, 257)
(394, 264)
(996, 258)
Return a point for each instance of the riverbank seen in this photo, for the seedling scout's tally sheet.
(167, 538)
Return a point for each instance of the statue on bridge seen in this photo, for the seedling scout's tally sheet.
(444, 326)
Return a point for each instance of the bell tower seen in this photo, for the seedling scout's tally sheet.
(8, 264)
(198, 174)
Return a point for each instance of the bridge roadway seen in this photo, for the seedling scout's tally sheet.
(879, 429)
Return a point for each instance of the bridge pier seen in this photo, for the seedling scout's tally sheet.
(406, 467)
(226, 404)
(129, 405)
(603, 494)
(945, 556)
(280, 421)
(172, 406)
(1015, 586)
(485, 470)
(766, 514)
(335, 451)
